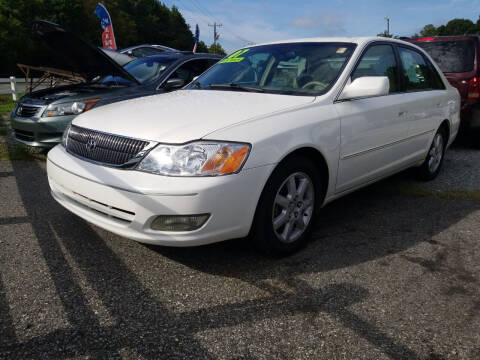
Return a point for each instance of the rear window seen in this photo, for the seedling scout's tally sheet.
(452, 56)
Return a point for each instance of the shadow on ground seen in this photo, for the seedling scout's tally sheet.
(365, 226)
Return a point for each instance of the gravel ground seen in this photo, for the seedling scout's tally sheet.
(388, 275)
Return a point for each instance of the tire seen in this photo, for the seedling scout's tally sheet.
(432, 165)
(288, 203)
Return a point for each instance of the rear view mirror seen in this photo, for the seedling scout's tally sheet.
(174, 83)
(366, 86)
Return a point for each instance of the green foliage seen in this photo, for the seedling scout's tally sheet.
(453, 27)
(429, 30)
(202, 47)
(6, 105)
(216, 49)
(134, 21)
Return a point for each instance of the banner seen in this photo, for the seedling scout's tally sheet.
(108, 38)
(197, 38)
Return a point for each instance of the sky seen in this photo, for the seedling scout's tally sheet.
(257, 21)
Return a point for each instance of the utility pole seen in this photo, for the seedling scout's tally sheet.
(388, 25)
(215, 35)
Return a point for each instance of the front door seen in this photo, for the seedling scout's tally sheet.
(373, 130)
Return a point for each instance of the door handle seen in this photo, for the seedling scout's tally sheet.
(402, 113)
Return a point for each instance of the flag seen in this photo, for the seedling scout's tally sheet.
(197, 37)
(108, 38)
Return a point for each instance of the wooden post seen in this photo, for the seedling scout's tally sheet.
(13, 87)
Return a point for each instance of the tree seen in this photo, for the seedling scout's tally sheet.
(458, 27)
(453, 27)
(217, 49)
(202, 47)
(134, 21)
(429, 30)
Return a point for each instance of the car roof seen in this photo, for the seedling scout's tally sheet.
(181, 55)
(445, 38)
(163, 47)
(353, 40)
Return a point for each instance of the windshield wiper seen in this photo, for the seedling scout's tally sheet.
(234, 86)
(197, 84)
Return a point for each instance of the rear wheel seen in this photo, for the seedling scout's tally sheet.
(287, 207)
(433, 163)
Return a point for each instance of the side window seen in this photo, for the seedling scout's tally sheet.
(379, 60)
(145, 51)
(437, 82)
(190, 69)
(416, 72)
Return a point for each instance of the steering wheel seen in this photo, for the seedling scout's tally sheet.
(312, 84)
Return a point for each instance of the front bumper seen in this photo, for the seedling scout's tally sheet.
(38, 131)
(125, 202)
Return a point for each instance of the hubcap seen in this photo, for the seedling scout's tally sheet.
(436, 153)
(293, 207)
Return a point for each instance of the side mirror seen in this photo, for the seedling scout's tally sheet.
(174, 83)
(366, 86)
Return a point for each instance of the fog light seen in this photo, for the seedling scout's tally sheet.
(179, 222)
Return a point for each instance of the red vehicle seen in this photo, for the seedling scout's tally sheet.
(459, 59)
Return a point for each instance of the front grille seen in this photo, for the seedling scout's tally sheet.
(24, 135)
(104, 148)
(28, 110)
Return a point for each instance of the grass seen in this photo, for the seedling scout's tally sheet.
(6, 104)
(9, 150)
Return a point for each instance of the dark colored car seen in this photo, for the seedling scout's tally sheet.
(41, 116)
(459, 59)
(146, 50)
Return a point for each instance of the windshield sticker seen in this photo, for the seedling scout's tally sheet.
(235, 57)
(341, 50)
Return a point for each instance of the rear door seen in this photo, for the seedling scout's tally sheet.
(424, 102)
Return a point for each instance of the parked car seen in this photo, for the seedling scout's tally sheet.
(119, 58)
(459, 59)
(41, 116)
(258, 143)
(139, 51)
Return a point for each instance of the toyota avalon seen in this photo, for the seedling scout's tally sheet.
(258, 143)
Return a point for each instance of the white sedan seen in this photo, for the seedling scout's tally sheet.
(258, 143)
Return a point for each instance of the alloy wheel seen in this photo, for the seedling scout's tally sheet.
(436, 153)
(293, 207)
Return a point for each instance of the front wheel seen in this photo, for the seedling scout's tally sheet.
(287, 207)
(433, 163)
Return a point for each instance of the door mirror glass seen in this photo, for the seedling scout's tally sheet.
(174, 83)
(366, 86)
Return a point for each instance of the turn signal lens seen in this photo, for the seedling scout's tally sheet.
(179, 222)
(235, 161)
(90, 103)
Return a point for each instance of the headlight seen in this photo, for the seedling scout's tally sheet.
(65, 136)
(70, 108)
(203, 158)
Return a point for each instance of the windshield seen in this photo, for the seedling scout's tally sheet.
(144, 70)
(296, 68)
(451, 56)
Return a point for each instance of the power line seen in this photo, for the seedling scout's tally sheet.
(207, 13)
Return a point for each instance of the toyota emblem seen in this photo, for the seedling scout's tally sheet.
(91, 144)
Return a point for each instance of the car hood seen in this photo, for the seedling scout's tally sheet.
(74, 55)
(80, 92)
(184, 115)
